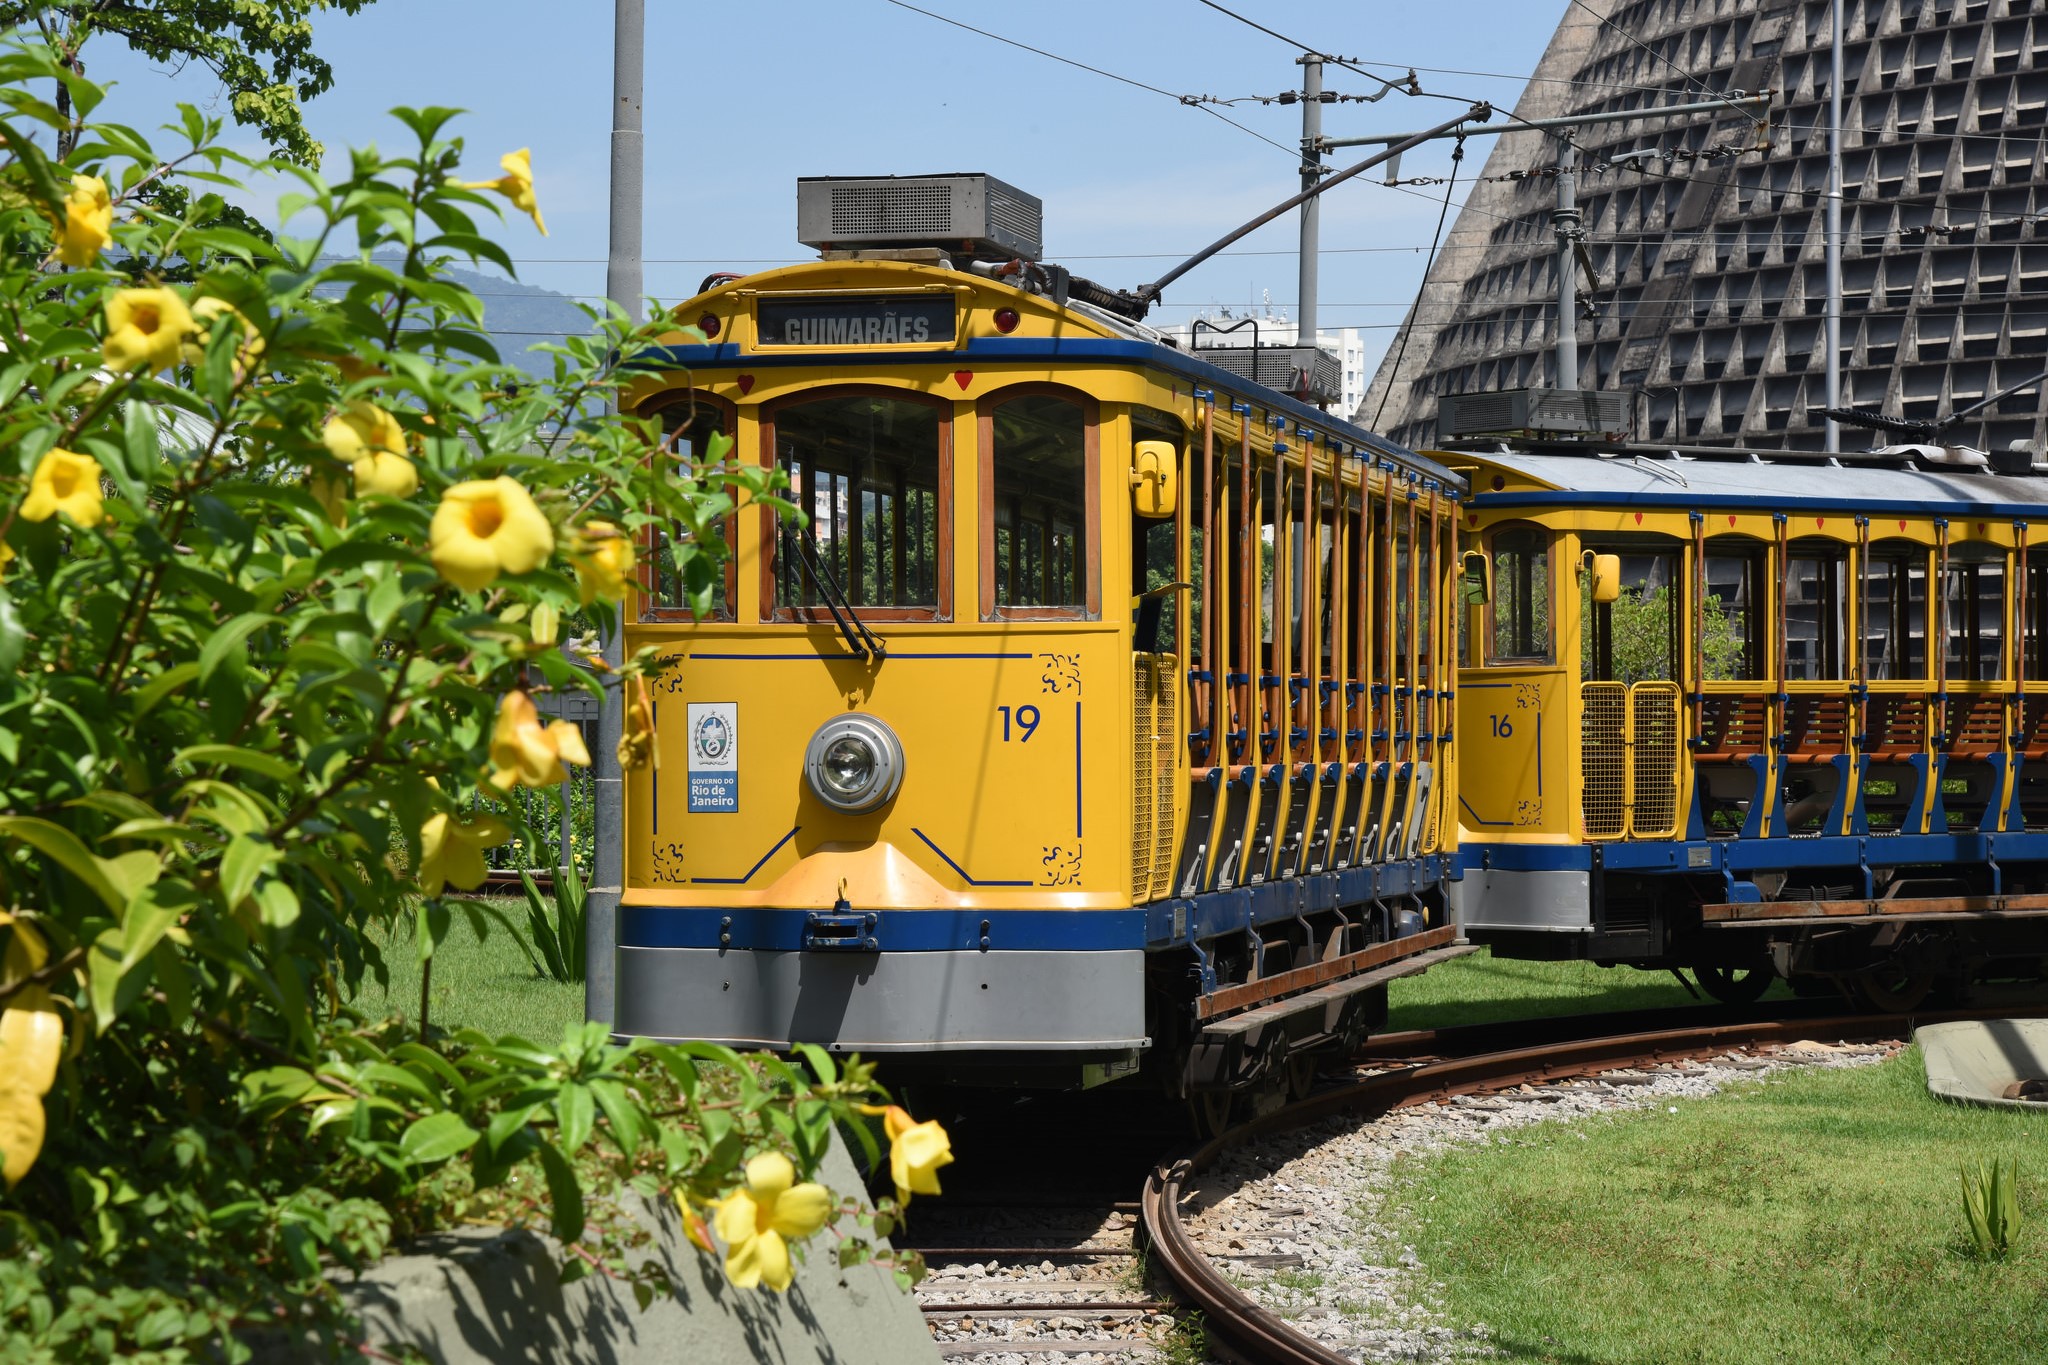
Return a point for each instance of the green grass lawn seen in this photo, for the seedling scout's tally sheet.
(1814, 1217)
(1481, 989)
(488, 984)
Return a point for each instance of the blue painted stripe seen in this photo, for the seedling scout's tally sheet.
(1569, 498)
(742, 881)
(900, 931)
(955, 866)
(1750, 855)
(1077, 770)
(1041, 349)
(1151, 926)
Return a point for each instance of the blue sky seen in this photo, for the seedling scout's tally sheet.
(742, 98)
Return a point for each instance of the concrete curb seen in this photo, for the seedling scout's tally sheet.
(471, 1297)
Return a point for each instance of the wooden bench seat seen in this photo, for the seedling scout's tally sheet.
(1817, 729)
(1732, 728)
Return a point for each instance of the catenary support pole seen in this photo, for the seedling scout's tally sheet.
(1312, 208)
(1565, 219)
(622, 286)
(1834, 227)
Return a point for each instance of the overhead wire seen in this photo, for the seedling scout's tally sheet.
(1457, 155)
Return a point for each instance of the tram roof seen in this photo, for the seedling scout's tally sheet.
(1127, 342)
(1750, 480)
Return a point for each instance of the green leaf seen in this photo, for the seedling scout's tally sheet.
(227, 641)
(565, 1192)
(62, 846)
(821, 1063)
(12, 636)
(624, 1116)
(152, 911)
(576, 1113)
(246, 860)
(235, 756)
(275, 1087)
(436, 1138)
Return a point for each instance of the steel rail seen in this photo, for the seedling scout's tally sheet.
(1262, 1335)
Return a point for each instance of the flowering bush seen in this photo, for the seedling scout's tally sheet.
(278, 546)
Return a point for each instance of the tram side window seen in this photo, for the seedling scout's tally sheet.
(677, 578)
(1040, 465)
(866, 469)
(1814, 613)
(1732, 618)
(1895, 614)
(1634, 638)
(1975, 611)
(1520, 609)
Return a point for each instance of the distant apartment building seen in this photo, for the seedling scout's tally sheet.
(1708, 254)
(1266, 325)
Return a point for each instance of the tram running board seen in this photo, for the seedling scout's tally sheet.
(1328, 998)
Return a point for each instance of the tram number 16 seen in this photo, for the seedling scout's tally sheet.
(1026, 718)
(1503, 728)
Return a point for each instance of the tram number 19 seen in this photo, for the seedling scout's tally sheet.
(1503, 728)
(1026, 718)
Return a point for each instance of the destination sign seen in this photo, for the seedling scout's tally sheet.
(917, 320)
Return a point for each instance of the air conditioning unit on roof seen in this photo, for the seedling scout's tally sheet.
(1534, 412)
(974, 215)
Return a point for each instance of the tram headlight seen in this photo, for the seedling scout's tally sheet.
(854, 763)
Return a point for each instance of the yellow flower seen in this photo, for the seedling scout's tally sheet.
(205, 312)
(636, 740)
(757, 1222)
(526, 753)
(6, 556)
(515, 184)
(604, 562)
(452, 850)
(31, 1044)
(487, 527)
(88, 221)
(916, 1151)
(145, 328)
(67, 483)
(370, 440)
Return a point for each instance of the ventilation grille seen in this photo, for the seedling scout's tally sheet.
(1603, 749)
(1653, 758)
(1583, 412)
(1154, 723)
(866, 211)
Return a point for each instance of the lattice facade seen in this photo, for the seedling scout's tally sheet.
(1711, 278)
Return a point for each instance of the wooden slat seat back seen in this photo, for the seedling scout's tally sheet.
(1732, 727)
(2033, 727)
(1975, 726)
(1895, 727)
(1817, 729)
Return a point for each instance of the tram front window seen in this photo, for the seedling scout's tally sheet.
(1520, 609)
(1040, 494)
(865, 468)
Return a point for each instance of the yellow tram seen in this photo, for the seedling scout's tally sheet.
(1098, 721)
(1757, 714)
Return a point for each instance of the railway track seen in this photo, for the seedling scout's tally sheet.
(1464, 1061)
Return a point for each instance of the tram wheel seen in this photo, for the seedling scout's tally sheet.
(1301, 1074)
(1734, 985)
(1890, 989)
(1209, 1113)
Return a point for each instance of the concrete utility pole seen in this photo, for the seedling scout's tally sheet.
(1834, 229)
(1311, 209)
(622, 285)
(1565, 220)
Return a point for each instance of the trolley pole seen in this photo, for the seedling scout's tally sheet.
(1833, 443)
(622, 285)
(1565, 219)
(1312, 208)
